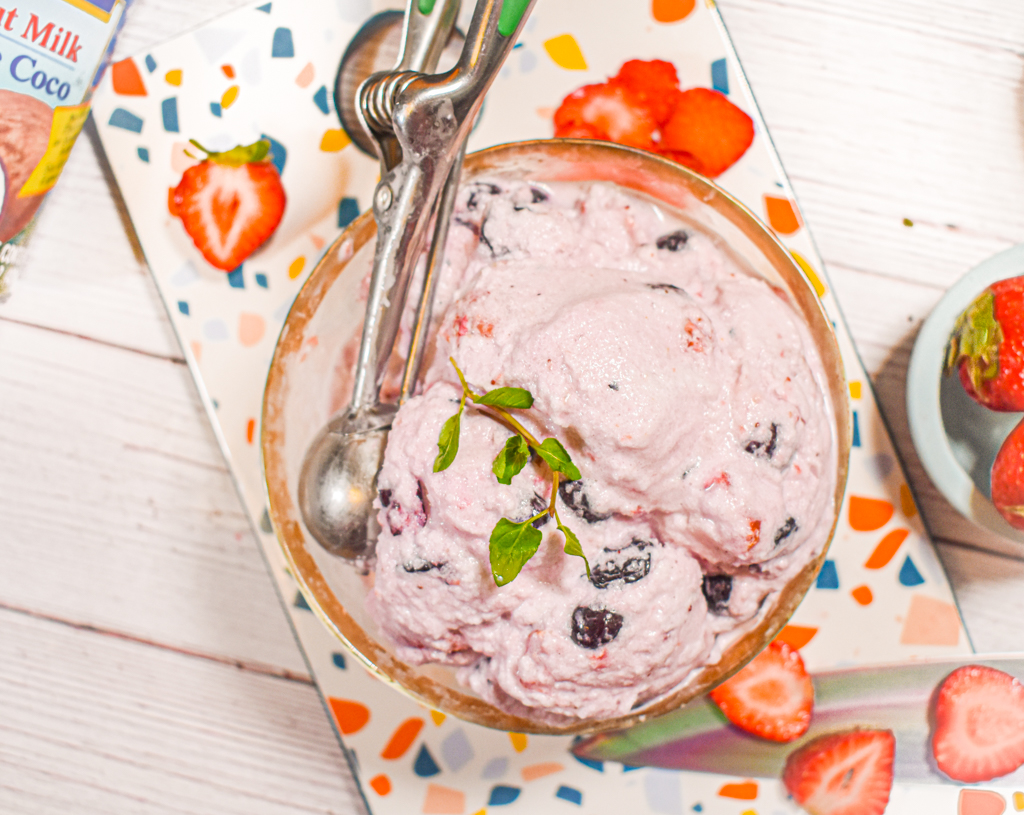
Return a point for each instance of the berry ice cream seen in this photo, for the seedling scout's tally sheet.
(689, 394)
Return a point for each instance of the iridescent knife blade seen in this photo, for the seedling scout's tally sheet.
(894, 697)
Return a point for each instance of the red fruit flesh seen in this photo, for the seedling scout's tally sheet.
(771, 697)
(609, 111)
(655, 82)
(979, 724)
(847, 773)
(706, 132)
(1007, 479)
(987, 346)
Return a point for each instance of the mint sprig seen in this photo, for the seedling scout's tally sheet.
(512, 543)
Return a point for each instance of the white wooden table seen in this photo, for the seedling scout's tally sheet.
(145, 663)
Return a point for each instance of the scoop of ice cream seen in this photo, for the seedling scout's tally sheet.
(688, 393)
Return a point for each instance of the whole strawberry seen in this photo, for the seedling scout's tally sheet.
(230, 202)
(987, 346)
(1008, 478)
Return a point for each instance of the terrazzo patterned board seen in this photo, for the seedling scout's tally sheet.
(265, 70)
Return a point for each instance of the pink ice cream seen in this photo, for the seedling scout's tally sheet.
(689, 394)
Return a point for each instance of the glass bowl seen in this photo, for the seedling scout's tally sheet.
(303, 393)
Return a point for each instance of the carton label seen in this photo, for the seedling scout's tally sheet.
(67, 123)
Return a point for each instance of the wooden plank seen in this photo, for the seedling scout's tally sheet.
(96, 724)
(118, 509)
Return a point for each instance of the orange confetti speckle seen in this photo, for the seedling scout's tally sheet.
(305, 76)
(930, 622)
(886, 549)
(1018, 801)
(742, 791)
(380, 784)
(229, 97)
(671, 11)
(855, 390)
(907, 501)
(251, 328)
(173, 77)
(350, 716)
(443, 801)
(197, 350)
(334, 140)
(295, 269)
(782, 215)
(126, 79)
(402, 739)
(535, 771)
(863, 595)
(317, 241)
(869, 514)
(796, 636)
(980, 802)
(808, 270)
(250, 430)
(228, 70)
(566, 53)
(519, 741)
(437, 716)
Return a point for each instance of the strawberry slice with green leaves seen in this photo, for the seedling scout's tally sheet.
(987, 347)
(230, 203)
(847, 773)
(979, 724)
(771, 697)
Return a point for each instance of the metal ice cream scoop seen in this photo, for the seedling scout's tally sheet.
(420, 122)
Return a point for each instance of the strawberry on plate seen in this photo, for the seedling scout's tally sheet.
(987, 346)
(230, 202)
(706, 132)
(771, 697)
(609, 111)
(979, 724)
(847, 773)
(1007, 478)
(655, 82)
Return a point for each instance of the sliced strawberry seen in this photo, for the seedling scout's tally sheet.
(771, 697)
(979, 724)
(847, 773)
(655, 82)
(609, 111)
(230, 203)
(1007, 478)
(706, 132)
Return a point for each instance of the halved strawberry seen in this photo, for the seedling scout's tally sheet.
(230, 202)
(609, 111)
(1007, 478)
(979, 724)
(655, 82)
(706, 132)
(771, 697)
(848, 773)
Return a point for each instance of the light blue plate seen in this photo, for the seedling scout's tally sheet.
(956, 438)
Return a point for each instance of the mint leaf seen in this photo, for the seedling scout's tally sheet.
(572, 546)
(511, 459)
(506, 398)
(512, 545)
(558, 460)
(448, 441)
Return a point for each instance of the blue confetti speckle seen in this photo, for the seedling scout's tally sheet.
(495, 768)
(589, 762)
(143, 154)
(348, 211)
(501, 795)
(320, 97)
(215, 109)
(425, 766)
(856, 431)
(282, 47)
(216, 330)
(909, 575)
(278, 153)
(265, 8)
(183, 307)
(126, 121)
(527, 61)
(215, 403)
(456, 751)
(720, 76)
(150, 63)
(235, 278)
(261, 280)
(300, 602)
(265, 525)
(698, 807)
(573, 796)
(169, 110)
(338, 660)
(828, 577)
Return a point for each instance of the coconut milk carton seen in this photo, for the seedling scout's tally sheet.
(52, 53)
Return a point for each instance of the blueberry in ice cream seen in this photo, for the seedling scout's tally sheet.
(688, 393)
